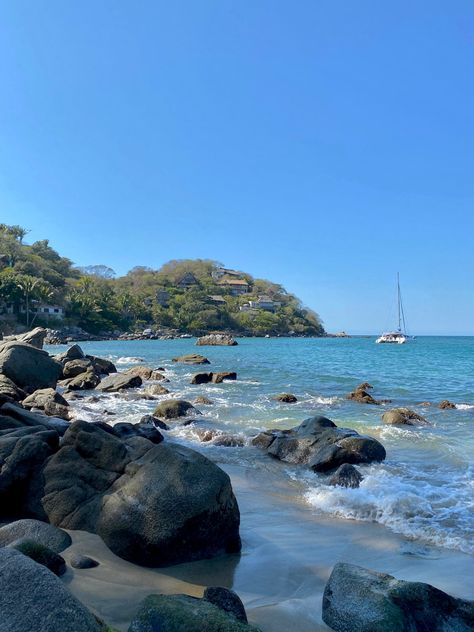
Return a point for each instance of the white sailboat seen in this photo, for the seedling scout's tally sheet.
(399, 336)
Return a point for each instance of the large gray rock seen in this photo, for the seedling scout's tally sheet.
(84, 381)
(35, 337)
(40, 554)
(174, 408)
(37, 531)
(217, 340)
(192, 358)
(73, 353)
(119, 382)
(32, 598)
(320, 444)
(180, 613)
(23, 417)
(102, 365)
(154, 505)
(50, 401)
(360, 600)
(28, 367)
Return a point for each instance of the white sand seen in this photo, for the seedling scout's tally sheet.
(287, 556)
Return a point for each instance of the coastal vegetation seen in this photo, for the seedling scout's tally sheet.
(39, 286)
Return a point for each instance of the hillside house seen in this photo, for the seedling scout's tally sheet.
(187, 281)
(218, 273)
(265, 302)
(217, 300)
(235, 286)
(41, 310)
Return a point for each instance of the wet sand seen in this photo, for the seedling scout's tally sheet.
(287, 556)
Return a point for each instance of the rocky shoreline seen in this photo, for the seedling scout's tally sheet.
(157, 503)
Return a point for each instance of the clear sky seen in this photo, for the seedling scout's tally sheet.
(321, 144)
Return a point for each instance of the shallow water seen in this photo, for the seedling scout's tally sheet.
(423, 490)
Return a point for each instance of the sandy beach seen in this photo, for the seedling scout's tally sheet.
(287, 556)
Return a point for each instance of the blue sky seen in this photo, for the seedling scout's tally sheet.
(324, 145)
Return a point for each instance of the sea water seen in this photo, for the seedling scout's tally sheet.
(424, 490)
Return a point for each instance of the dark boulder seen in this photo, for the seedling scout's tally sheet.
(360, 600)
(151, 419)
(320, 444)
(264, 439)
(82, 561)
(9, 391)
(218, 378)
(403, 417)
(28, 367)
(40, 554)
(346, 476)
(154, 505)
(84, 381)
(159, 377)
(361, 396)
(174, 408)
(73, 353)
(148, 431)
(37, 531)
(201, 378)
(227, 600)
(23, 417)
(192, 358)
(119, 382)
(181, 613)
(33, 598)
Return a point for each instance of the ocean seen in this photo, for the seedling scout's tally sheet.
(423, 491)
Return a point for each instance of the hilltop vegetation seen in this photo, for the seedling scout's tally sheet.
(193, 296)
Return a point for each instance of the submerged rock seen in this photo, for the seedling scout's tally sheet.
(192, 358)
(174, 408)
(286, 398)
(215, 378)
(179, 613)
(154, 505)
(33, 598)
(446, 405)
(403, 416)
(321, 445)
(360, 600)
(346, 476)
(28, 367)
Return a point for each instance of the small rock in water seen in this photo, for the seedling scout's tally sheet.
(174, 408)
(446, 405)
(202, 399)
(83, 561)
(192, 358)
(403, 417)
(346, 475)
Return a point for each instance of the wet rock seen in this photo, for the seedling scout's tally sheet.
(156, 389)
(85, 381)
(151, 419)
(154, 505)
(102, 366)
(202, 399)
(176, 613)
(192, 358)
(205, 434)
(228, 441)
(40, 554)
(174, 408)
(159, 377)
(264, 439)
(201, 378)
(346, 476)
(403, 417)
(361, 396)
(28, 367)
(9, 391)
(82, 561)
(50, 401)
(320, 444)
(216, 340)
(126, 430)
(33, 598)
(361, 600)
(73, 368)
(119, 382)
(365, 386)
(287, 398)
(38, 531)
(73, 353)
(227, 600)
(218, 378)
(446, 405)
(143, 371)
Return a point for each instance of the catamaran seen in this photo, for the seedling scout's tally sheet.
(399, 336)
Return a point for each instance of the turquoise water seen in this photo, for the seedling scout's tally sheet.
(424, 489)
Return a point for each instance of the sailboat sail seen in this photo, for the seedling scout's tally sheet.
(399, 336)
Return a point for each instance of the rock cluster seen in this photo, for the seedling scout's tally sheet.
(217, 340)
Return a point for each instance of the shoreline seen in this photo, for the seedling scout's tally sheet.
(287, 556)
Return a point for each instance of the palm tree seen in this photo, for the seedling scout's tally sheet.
(32, 287)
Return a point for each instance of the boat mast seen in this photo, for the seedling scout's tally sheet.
(399, 303)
